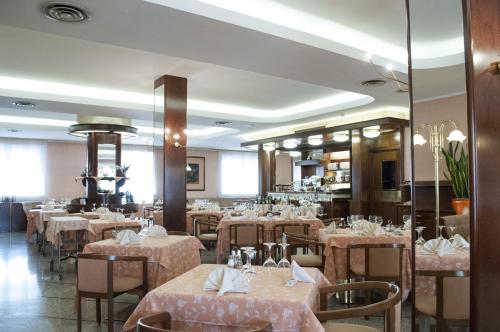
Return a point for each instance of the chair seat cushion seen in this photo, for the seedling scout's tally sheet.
(426, 305)
(344, 327)
(208, 237)
(123, 284)
(308, 260)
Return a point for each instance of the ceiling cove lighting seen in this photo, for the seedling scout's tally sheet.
(371, 132)
(315, 140)
(295, 154)
(84, 129)
(341, 136)
(269, 147)
(290, 143)
(23, 120)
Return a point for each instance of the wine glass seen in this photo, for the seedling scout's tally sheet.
(270, 262)
(452, 230)
(349, 222)
(250, 253)
(372, 218)
(93, 207)
(379, 220)
(440, 237)
(283, 263)
(420, 239)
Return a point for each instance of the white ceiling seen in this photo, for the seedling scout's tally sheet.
(276, 78)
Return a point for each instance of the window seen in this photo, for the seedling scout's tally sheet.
(22, 168)
(141, 182)
(238, 174)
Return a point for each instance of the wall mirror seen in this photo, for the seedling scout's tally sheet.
(440, 192)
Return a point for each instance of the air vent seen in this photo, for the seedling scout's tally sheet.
(65, 12)
(25, 104)
(223, 123)
(373, 83)
(14, 130)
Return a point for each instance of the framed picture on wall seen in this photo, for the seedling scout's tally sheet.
(195, 174)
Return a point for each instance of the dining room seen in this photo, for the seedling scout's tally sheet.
(220, 166)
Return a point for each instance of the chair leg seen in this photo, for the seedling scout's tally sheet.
(98, 310)
(368, 295)
(110, 314)
(78, 311)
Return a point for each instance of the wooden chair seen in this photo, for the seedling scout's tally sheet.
(107, 233)
(205, 229)
(383, 262)
(339, 222)
(450, 305)
(292, 228)
(148, 323)
(178, 233)
(391, 306)
(248, 235)
(312, 251)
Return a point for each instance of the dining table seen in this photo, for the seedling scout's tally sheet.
(335, 252)
(37, 218)
(223, 229)
(288, 308)
(190, 215)
(168, 256)
(95, 227)
(458, 260)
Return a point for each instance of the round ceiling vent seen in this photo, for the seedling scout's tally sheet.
(373, 83)
(223, 123)
(65, 12)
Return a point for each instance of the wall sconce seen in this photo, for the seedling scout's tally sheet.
(290, 143)
(269, 147)
(174, 139)
(341, 136)
(371, 132)
(315, 140)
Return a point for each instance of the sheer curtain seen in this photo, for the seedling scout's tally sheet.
(141, 172)
(238, 174)
(22, 168)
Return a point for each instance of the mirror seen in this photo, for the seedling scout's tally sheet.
(106, 166)
(440, 200)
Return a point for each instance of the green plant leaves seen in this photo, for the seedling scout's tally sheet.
(458, 169)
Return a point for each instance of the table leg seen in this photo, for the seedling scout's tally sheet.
(51, 259)
(59, 255)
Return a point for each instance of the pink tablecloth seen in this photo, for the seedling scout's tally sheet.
(37, 217)
(287, 308)
(97, 225)
(191, 214)
(336, 253)
(168, 256)
(64, 224)
(460, 260)
(223, 245)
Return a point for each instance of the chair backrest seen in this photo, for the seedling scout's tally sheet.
(292, 228)
(452, 293)
(178, 233)
(390, 305)
(246, 235)
(205, 224)
(460, 222)
(161, 322)
(158, 217)
(107, 233)
(381, 259)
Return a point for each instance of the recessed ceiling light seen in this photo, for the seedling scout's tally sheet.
(65, 12)
(290, 143)
(26, 104)
(14, 130)
(223, 123)
(315, 140)
(294, 154)
(371, 132)
(269, 147)
(341, 136)
(373, 83)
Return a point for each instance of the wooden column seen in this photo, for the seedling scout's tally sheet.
(267, 171)
(174, 156)
(482, 45)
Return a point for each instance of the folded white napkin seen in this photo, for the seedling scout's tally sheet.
(157, 231)
(128, 236)
(119, 217)
(227, 215)
(48, 207)
(332, 228)
(459, 242)
(102, 210)
(227, 280)
(250, 214)
(440, 247)
(371, 229)
(310, 214)
(407, 224)
(299, 274)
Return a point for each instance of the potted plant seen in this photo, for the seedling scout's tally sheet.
(457, 163)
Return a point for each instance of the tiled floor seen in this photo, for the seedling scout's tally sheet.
(33, 299)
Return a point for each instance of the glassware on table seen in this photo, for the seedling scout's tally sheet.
(250, 254)
(452, 230)
(283, 263)
(93, 207)
(372, 218)
(270, 262)
(379, 220)
(440, 237)
(349, 222)
(420, 239)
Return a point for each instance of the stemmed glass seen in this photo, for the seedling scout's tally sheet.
(452, 230)
(283, 263)
(93, 207)
(420, 239)
(250, 253)
(349, 222)
(379, 221)
(440, 237)
(372, 218)
(270, 262)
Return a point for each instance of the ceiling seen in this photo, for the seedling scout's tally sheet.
(262, 73)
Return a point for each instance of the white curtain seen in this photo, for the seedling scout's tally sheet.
(141, 173)
(22, 168)
(238, 174)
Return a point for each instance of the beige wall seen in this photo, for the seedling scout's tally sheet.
(435, 111)
(283, 168)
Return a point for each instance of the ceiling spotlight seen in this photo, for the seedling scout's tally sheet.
(269, 147)
(290, 143)
(389, 67)
(26, 104)
(14, 130)
(341, 136)
(371, 132)
(223, 123)
(65, 12)
(315, 140)
(294, 154)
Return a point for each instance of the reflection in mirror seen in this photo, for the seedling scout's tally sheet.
(106, 166)
(440, 183)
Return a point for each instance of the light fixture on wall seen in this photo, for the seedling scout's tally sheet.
(290, 143)
(436, 140)
(341, 136)
(295, 154)
(188, 168)
(315, 140)
(174, 138)
(269, 146)
(371, 132)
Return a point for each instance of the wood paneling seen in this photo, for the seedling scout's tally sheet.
(482, 43)
(267, 171)
(174, 158)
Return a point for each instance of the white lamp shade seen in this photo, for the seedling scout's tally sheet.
(456, 136)
(371, 132)
(290, 143)
(341, 136)
(315, 140)
(294, 154)
(188, 168)
(418, 139)
(268, 147)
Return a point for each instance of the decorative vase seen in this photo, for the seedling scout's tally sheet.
(459, 204)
